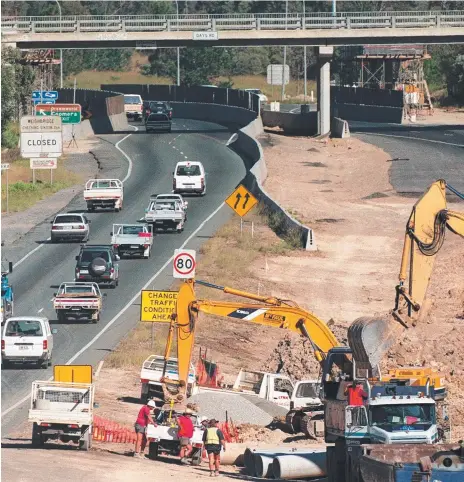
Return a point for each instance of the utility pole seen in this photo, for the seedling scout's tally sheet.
(305, 63)
(285, 53)
(61, 50)
(178, 48)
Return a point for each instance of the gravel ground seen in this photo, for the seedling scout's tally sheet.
(239, 408)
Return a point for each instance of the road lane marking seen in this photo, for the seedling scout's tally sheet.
(129, 172)
(40, 311)
(123, 310)
(410, 137)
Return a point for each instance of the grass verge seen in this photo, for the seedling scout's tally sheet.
(225, 259)
(23, 193)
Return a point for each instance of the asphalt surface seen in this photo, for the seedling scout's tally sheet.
(35, 279)
(421, 153)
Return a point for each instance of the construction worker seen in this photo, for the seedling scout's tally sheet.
(213, 438)
(185, 434)
(143, 419)
(356, 393)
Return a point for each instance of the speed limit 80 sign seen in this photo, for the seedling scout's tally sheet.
(184, 263)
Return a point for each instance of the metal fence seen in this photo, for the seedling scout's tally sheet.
(363, 96)
(182, 93)
(260, 21)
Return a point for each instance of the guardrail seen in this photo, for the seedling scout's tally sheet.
(259, 21)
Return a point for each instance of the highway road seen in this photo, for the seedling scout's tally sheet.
(151, 158)
(424, 153)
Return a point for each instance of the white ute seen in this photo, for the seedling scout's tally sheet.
(27, 339)
(189, 177)
(78, 300)
(104, 193)
(152, 372)
(171, 197)
(62, 411)
(163, 438)
(165, 215)
(132, 239)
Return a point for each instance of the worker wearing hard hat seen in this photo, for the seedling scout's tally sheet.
(143, 419)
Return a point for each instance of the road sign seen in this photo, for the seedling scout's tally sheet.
(241, 200)
(72, 373)
(47, 163)
(274, 74)
(5, 166)
(41, 144)
(157, 306)
(45, 94)
(31, 123)
(205, 36)
(184, 263)
(69, 113)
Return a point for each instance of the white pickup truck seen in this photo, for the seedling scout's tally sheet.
(78, 300)
(163, 438)
(104, 193)
(130, 239)
(62, 411)
(171, 197)
(166, 215)
(152, 372)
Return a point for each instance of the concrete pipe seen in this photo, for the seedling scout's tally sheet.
(263, 460)
(234, 454)
(299, 466)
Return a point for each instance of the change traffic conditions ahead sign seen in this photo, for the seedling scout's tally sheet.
(69, 113)
(184, 263)
(241, 200)
(157, 306)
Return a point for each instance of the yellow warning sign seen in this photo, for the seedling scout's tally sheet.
(241, 200)
(72, 373)
(157, 306)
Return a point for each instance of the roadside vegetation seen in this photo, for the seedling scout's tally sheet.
(225, 259)
(23, 193)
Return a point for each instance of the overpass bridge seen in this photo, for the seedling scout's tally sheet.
(322, 30)
(353, 28)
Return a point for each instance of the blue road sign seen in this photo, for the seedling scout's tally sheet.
(46, 94)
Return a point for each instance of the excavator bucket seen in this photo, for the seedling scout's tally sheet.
(371, 337)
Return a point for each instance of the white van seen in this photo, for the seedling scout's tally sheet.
(189, 177)
(27, 339)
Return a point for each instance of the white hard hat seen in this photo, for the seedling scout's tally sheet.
(151, 403)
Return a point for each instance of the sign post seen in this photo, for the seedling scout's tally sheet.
(184, 263)
(6, 167)
(242, 201)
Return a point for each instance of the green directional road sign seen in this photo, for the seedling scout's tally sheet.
(69, 113)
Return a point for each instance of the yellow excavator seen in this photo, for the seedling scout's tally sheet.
(369, 338)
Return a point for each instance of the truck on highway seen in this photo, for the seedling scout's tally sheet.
(104, 193)
(171, 197)
(78, 300)
(62, 411)
(163, 437)
(132, 239)
(165, 214)
(133, 106)
(152, 373)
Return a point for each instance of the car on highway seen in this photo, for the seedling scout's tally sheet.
(27, 339)
(262, 98)
(158, 122)
(153, 107)
(133, 106)
(98, 263)
(70, 227)
(171, 197)
(189, 177)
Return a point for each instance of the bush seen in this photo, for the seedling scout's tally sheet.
(10, 136)
(21, 186)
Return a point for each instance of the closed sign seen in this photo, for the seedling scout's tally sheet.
(41, 144)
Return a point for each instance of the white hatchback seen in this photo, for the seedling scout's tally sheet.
(27, 339)
(189, 177)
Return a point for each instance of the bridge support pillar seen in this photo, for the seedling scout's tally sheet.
(324, 55)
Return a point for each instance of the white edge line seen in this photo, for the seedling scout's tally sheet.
(128, 305)
(410, 137)
(129, 172)
(40, 311)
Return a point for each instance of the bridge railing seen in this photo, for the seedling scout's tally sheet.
(260, 21)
